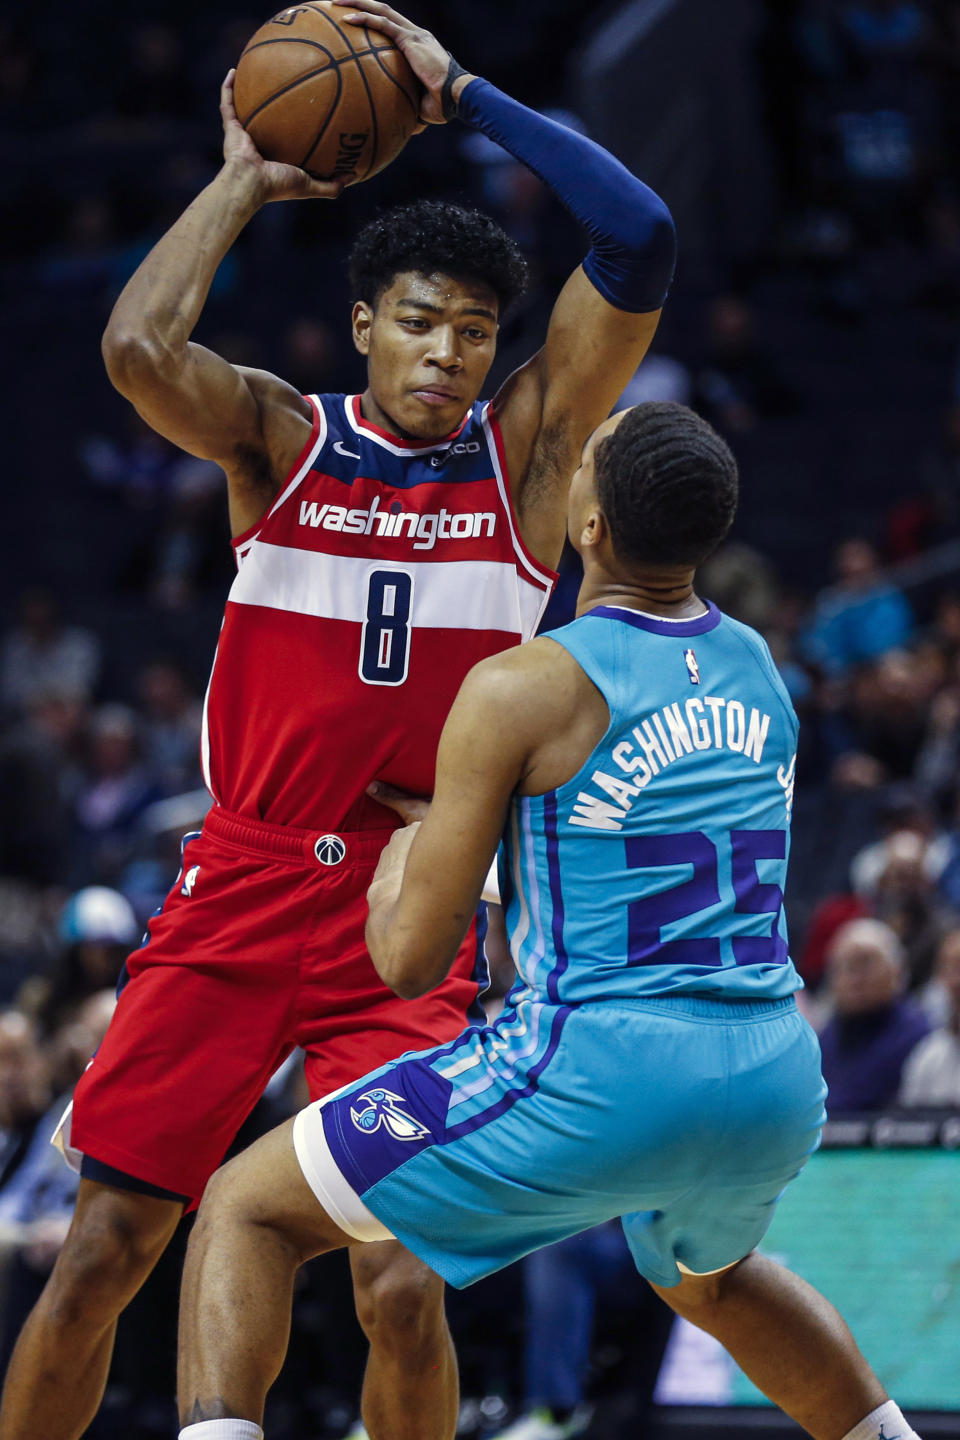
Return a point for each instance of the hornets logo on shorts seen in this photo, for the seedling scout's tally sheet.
(382, 1107)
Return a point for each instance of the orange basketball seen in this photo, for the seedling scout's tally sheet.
(338, 100)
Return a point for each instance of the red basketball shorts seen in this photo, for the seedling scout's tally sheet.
(258, 948)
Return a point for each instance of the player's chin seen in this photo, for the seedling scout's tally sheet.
(428, 416)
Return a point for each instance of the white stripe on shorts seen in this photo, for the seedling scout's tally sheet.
(702, 1274)
(326, 1179)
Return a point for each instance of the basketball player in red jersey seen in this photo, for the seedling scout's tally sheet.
(385, 542)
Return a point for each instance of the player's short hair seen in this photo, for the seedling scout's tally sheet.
(667, 484)
(430, 236)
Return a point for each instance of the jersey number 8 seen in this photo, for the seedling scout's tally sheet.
(385, 642)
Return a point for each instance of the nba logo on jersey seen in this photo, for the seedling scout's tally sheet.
(189, 880)
(330, 850)
(693, 668)
(383, 1108)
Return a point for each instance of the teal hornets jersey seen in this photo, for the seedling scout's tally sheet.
(659, 868)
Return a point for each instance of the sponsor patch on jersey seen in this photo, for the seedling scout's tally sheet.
(693, 669)
(382, 1107)
(463, 447)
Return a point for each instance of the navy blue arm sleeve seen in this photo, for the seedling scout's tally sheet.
(634, 247)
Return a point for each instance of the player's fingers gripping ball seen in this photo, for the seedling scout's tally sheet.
(339, 101)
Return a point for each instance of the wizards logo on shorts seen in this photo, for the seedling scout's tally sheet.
(382, 1107)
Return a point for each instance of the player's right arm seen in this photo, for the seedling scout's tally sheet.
(524, 721)
(251, 423)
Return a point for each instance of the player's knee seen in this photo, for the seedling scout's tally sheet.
(224, 1204)
(110, 1250)
(400, 1304)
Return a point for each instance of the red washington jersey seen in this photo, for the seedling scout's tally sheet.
(383, 572)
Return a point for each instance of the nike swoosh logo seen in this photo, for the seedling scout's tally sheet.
(339, 447)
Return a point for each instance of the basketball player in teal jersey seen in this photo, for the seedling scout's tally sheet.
(636, 767)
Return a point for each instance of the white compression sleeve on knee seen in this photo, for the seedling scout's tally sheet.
(222, 1430)
(884, 1423)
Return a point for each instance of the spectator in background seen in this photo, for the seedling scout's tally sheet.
(861, 616)
(886, 711)
(562, 1284)
(873, 1027)
(24, 1089)
(36, 1203)
(743, 584)
(41, 656)
(897, 880)
(931, 1075)
(117, 790)
(738, 382)
(40, 774)
(170, 726)
(98, 929)
(187, 549)
(929, 512)
(657, 378)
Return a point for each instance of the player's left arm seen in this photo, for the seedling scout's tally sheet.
(430, 877)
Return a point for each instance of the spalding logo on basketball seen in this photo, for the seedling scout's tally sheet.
(330, 850)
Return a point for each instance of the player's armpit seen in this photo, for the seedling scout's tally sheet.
(548, 409)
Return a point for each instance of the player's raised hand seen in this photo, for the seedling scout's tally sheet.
(427, 58)
(410, 808)
(277, 181)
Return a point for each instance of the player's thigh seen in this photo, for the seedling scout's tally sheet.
(264, 1188)
(352, 1023)
(186, 1057)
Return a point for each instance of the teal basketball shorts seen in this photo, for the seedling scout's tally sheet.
(685, 1116)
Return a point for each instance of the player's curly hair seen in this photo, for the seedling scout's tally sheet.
(667, 484)
(432, 235)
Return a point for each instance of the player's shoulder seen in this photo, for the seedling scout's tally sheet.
(752, 642)
(745, 637)
(540, 676)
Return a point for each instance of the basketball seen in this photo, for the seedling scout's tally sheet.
(337, 100)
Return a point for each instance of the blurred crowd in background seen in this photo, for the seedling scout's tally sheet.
(828, 357)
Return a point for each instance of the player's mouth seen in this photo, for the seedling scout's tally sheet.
(436, 395)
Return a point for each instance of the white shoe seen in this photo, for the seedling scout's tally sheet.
(539, 1424)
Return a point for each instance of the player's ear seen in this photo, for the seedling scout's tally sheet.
(362, 321)
(593, 529)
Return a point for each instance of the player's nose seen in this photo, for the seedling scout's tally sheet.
(444, 349)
